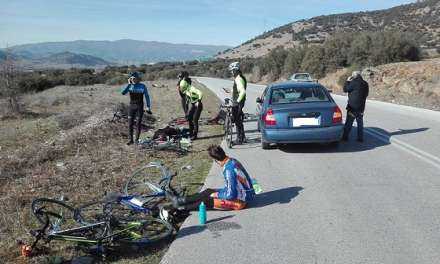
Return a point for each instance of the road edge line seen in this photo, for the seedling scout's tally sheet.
(425, 156)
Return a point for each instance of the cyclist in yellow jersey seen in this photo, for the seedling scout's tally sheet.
(238, 100)
(194, 97)
(183, 75)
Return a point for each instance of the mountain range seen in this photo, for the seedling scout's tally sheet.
(125, 51)
(421, 18)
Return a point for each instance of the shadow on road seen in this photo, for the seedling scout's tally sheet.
(370, 142)
(282, 196)
(211, 225)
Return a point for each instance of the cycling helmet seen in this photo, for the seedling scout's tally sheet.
(235, 66)
(183, 74)
(135, 75)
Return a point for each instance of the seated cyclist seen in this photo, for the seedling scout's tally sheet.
(238, 190)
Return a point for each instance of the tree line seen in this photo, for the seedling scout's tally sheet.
(355, 50)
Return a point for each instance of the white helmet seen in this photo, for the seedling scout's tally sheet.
(235, 66)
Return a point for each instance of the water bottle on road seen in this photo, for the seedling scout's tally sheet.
(257, 187)
(202, 213)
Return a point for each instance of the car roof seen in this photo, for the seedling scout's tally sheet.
(301, 73)
(291, 84)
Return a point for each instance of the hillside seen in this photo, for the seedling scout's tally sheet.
(408, 83)
(120, 51)
(422, 17)
(67, 60)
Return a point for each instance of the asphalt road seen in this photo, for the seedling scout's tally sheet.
(371, 202)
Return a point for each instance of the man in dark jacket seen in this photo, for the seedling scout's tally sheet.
(357, 89)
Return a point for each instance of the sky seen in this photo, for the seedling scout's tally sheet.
(218, 22)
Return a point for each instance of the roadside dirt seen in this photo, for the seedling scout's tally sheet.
(66, 144)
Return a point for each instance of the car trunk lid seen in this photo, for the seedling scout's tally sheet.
(302, 115)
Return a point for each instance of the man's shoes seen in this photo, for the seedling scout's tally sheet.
(130, 142)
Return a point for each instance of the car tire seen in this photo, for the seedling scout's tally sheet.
(265, 145)
(334, 144)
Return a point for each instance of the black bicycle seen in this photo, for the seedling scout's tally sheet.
(228, 126)
(97, 225)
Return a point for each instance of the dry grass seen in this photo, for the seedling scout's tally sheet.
(68, 146)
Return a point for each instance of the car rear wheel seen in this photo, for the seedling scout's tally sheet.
(265, 145)
(334, 144)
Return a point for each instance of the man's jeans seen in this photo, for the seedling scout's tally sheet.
(349, 123)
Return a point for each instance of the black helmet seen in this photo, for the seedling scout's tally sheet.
(183, 74)
(135, 75)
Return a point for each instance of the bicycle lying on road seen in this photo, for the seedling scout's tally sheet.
(99, 230)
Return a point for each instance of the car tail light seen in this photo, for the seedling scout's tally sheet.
(269, 118)
(337, 115)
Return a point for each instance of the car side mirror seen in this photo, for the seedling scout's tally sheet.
(259, 101)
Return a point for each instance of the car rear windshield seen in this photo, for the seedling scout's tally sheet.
(302, 77)
(297, 95)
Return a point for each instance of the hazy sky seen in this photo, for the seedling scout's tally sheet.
(185, 21)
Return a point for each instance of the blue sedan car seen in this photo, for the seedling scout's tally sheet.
(298, 112)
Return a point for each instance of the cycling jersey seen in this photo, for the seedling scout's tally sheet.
(190, 91)
(239, 89)
(137, 91)
(238, 182)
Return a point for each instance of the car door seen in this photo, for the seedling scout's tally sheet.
(260, 105)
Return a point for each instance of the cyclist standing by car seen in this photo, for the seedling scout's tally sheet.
(137, 91)
(238, 100)
(195, 107)
(183, 77)
(236, 193)
(357, 89)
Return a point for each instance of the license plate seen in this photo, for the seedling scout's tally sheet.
(306, 121)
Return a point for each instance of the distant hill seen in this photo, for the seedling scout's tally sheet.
(124, 51)
(422, 17)
(69, 58)
(63, 60)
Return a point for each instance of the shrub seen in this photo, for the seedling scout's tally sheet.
(119, 79)
(313, 61)
(293, 61)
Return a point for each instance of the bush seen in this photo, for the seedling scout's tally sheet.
(313, 61)
(119, 79)
(293, 61)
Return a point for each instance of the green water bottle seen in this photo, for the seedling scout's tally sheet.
(202, 213)
(257, 187)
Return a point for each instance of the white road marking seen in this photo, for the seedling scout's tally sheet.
(425, 156)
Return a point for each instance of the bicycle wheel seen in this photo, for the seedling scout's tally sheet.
(227, 128)
(231, 132)
(57, 212)
(143, 182)
(143, 232)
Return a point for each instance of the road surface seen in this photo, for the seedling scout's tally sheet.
(371, 202)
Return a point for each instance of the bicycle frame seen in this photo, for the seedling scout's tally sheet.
(66, 235)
